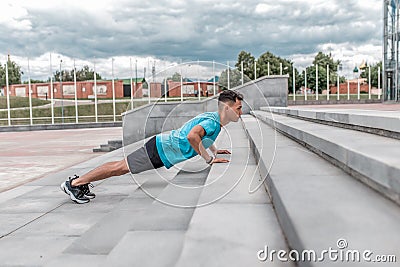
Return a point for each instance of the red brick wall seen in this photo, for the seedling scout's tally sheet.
(137, 92)
(353, 88)
(155, 89)
(84, 89)
(175, 88)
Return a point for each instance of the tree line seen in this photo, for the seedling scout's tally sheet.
(15, 73)
(320, 61)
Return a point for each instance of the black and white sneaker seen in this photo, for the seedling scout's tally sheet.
(86, 190)
(75, 192)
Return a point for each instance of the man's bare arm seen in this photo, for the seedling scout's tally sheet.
(194, 137)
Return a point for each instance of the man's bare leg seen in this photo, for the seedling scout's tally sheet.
(109, 169)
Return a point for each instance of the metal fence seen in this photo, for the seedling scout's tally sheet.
(208, 80)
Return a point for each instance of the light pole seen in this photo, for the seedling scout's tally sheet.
(137, 78)
(113, 87)
(338, 83)
(130, 65)
(62, 95)
(316, 81)
(229, 69)
(8, 96)
(241, 67)
(294, 83)
(305, 84)
(327, 82)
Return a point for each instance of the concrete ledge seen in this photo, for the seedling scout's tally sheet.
(371, 159)
(384, 123)
(317, 203)
(65, 126)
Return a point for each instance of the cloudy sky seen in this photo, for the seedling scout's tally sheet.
(173, 31)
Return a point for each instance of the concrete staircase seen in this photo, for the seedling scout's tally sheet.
(192, 215)
(294, 183)
(329, 184)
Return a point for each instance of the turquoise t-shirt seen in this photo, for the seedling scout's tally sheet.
(175, 147)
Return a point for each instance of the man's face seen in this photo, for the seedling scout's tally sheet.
(234, 110)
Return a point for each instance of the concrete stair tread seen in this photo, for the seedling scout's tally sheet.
(146, 248)
(378, 120)
(162, 220)
(229, 230)
(134, 205)
(375, 158)
(316, 209)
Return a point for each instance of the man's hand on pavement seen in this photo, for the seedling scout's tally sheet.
(220, 160)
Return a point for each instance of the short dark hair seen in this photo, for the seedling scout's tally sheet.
(229, 96)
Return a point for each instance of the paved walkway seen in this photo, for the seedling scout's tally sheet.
(27, 156)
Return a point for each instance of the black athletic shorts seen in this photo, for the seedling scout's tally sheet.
(145, 158)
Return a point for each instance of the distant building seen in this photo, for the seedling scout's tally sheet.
(123, 88)
(352, 87)
(84, 90)
(191, 87)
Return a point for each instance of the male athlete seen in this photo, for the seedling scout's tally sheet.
(192, 139)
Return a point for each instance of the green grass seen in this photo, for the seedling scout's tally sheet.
(43, 115)
(20, 102)
(86, 113)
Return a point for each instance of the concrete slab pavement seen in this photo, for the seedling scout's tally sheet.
(27, 156)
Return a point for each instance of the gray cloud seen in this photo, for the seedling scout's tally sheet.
(191, 30)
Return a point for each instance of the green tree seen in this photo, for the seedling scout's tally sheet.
(36, 81)
(322, 60)
(2, 76)
(84, 74)
(374, 73)
(176, 77)
(235, 77)
(248, 64)
(14, 73)
(311, 78)
(275, 67)
(274, 64)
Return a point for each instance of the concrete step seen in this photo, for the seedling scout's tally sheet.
(110, 146)
(133, 208)
(161, 225)
(371, 159)
(232, 225)
(317, 203)
(380, 122)
(104, 148)
(115, 143)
